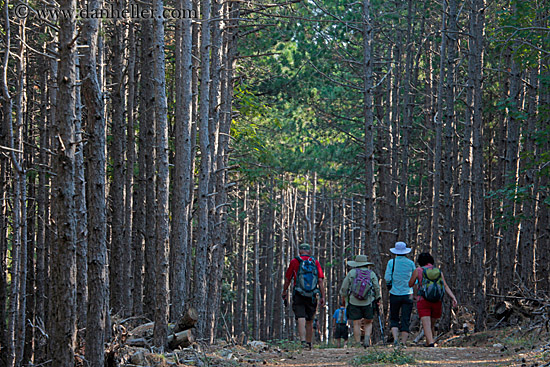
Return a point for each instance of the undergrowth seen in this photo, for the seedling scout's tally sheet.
(395, 357)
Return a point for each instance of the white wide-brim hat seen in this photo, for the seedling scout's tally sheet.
(360, 260)
(400, 248)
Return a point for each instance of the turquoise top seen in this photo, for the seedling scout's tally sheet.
(402, 272)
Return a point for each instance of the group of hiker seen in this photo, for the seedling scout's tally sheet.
(360, 294)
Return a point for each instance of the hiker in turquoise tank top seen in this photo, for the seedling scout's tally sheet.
(360, 290)
(398, 273)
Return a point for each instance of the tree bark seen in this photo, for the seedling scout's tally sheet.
(477, 21)
(162, 209)
(63, 273)
(183, 173)
(95, 196)
(203, 239)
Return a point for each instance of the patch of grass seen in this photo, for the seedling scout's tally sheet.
(521, 341)
(395, 357)
(286, 344)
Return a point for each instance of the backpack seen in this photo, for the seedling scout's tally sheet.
(307, 277)
(361, 287)
(432, 288)
(342, 316)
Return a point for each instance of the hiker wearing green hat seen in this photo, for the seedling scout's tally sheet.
(308, 283)
(360, 290)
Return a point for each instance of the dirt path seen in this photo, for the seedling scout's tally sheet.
(445, 357)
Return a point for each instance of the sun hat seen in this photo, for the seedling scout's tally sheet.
(400, 248)
(305, 247)
(360, 260)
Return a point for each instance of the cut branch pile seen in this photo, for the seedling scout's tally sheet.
(520, 309)
(180, 335)
(136, 345)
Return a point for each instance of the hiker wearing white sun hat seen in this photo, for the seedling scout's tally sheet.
(398, 273)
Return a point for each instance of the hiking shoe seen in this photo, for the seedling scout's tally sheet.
(430, 345)
(396, 343)
(304, 344)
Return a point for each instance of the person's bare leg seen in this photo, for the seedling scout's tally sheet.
(395, 333)
(404, 337)
(338, 342)
(433, 321)
(309, 331)
(368, 331)
(427, 325)
(302, 328)
(357, 331)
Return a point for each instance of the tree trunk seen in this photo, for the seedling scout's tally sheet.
(478, 192)
(369, 137)
(256, 264)
(95, 196)
(162, 187)
(151, 152)
(530, 182)
(63, 270)
(119, 272)
(203, 239)
(129, 195)
(183, 173)
(438, 120)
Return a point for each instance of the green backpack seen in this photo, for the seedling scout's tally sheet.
(432, 288)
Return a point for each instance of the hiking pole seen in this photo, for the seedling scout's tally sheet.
(381, 324)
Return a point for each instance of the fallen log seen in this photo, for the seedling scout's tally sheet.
(142, 329)
(187, 320)
(183, 338)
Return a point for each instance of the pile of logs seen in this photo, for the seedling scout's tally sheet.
(180, 334)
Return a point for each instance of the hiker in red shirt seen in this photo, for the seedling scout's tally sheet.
(308, 282)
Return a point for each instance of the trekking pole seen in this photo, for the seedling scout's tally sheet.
(381, 324)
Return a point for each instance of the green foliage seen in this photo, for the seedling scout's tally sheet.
(285, 344)
(395, 357)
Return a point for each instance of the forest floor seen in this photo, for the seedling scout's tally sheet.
(511, 346)
(506, 347)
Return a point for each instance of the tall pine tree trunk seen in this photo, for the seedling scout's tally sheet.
(95, 196)
(162, 215)
(477, 24)
(63, 273)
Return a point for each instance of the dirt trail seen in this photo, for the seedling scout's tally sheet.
(445, 357)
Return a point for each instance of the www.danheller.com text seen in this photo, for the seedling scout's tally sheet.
(108, 11)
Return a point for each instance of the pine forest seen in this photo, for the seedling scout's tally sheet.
(165, 156)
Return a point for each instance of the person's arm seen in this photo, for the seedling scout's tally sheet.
(288, 278)
(449, 292)
(376, 285)
(285, 287)
(387, 275)
(344, 287)
(322, 290)
(414, 276)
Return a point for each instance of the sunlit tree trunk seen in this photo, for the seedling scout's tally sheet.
(530, 182)
(203, 235)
